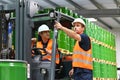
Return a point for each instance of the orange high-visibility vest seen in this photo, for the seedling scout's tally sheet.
(49, 47)
(82, 58)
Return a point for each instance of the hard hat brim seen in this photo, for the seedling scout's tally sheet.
(77, 22)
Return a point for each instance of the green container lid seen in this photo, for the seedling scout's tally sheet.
(13, 70)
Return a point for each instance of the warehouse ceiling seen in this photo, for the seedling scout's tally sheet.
(107, 12)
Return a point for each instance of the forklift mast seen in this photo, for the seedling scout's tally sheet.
(24, 22)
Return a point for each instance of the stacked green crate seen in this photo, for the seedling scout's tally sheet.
(60, 39)
(95, 30)
(101, 70)
(106, 52)
(65, 42)
(98, 32)
(96, 69)
(64, 10)
(70, 12)
(51, 33)
(101, 51)
(72, 43)
(88, 29)
(46, 10)
(75, 15)
(93, 49)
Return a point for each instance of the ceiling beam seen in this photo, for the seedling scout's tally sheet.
(81, 8)
(52, 3)
(117, 20)
(7, 7)
(100, 13)
(97, 4)
(101, 7)
(104, 23)
(5, 1)
(117, 2)
(75, 4)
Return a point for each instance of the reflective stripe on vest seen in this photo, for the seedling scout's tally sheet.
(82, 58)
(83, 53)
(82, 61)
(49, 47)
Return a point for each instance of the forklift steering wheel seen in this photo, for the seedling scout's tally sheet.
(37, 51)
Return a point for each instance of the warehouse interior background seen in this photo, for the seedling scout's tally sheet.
(106, 12)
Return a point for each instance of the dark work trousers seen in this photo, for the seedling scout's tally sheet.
(82, 74)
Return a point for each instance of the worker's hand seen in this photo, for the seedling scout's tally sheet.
(33, 40)
(71, 72)
(48, 51)
(58, 25)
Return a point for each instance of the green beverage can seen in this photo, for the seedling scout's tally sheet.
(13, 70)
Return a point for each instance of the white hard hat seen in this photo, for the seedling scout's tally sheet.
(43, 28)
(78, 20)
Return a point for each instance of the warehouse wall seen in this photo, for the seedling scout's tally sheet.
(118, 48)
(117, 33)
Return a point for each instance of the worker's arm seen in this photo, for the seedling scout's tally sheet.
(69, 32)
(71, 72)
(33, 41)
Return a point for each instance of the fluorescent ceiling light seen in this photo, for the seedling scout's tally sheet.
(92, 19)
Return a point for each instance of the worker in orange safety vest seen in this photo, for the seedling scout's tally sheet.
(82, 53)
(46, 43)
